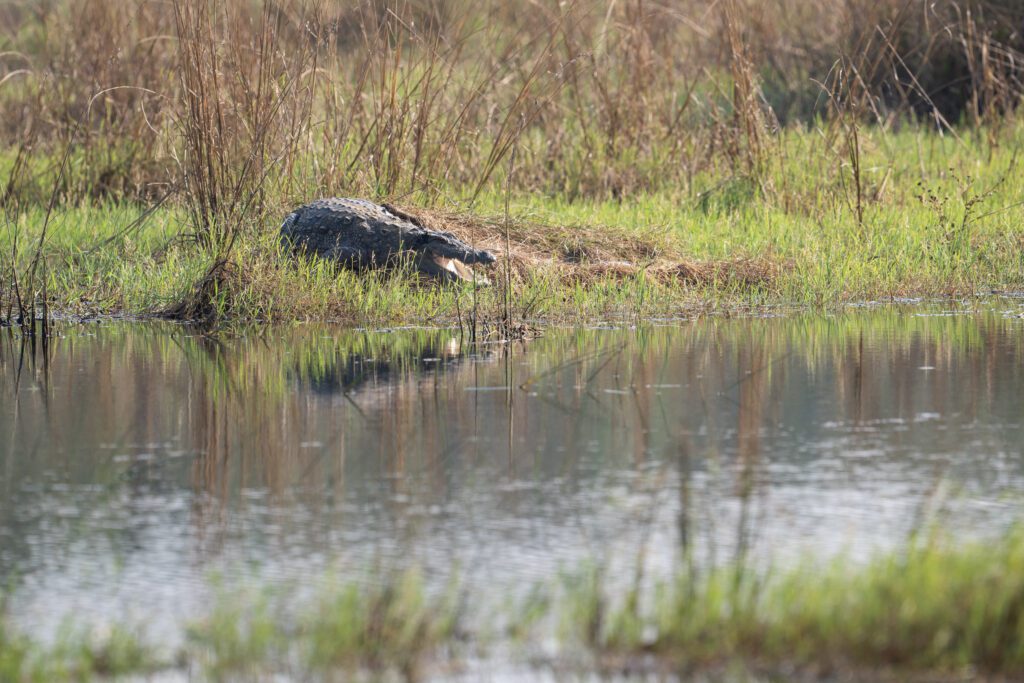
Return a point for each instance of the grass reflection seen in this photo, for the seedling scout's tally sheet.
(309, 432)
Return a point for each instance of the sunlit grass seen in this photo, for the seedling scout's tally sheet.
(938, 223)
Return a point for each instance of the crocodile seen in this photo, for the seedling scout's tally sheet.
(359, 234)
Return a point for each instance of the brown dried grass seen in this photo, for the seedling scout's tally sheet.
(587, 255)
(416, 97)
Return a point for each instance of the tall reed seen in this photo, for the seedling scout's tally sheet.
(424, 99)
(243, 110)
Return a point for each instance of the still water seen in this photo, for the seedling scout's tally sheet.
(140, 460)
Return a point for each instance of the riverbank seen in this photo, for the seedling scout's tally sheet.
(943, 222)
(149, 155)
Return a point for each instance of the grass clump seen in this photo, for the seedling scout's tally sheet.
(393, 626)
(15, 653)
(935, 608)
(379, 629)
(77, 655)
(241, 637)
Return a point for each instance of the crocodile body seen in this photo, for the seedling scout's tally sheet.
(359, 234)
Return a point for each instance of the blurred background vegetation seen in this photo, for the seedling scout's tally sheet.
(232, 113)
(428, 97)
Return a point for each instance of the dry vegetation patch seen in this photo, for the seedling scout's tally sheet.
(229, 111)
(588, 254)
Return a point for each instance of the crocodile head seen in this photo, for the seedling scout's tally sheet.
(449, 269)
(481, 256)
(449, 246)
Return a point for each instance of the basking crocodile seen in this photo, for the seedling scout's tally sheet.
(360, 234)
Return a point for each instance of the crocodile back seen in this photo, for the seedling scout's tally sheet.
(359, 233)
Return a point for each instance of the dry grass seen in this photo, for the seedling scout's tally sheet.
(589, 254)
(425, 99)
(233, 112)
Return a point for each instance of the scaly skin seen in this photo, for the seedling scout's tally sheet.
(360, 234)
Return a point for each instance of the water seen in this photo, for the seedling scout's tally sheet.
(143, 459)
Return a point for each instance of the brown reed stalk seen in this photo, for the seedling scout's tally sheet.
(424, 98)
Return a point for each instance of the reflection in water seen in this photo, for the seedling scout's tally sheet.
(140, 458)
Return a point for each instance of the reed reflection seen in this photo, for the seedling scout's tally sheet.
(723, 434)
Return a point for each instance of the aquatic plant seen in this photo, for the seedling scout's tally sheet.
(77, 654)
(388, 627)
(936, 606)
(933, 608)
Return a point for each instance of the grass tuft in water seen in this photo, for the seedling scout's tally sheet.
(935, 607)
(932, 609)
(391, 626)
(388, 627)
(77, 654)
(15, 653)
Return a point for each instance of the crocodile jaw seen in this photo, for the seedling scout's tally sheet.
(449, 269)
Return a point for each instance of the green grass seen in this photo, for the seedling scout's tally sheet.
(940, 217)
(381, 628)
(76, 655)
(934, 609)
